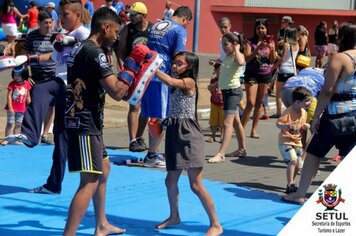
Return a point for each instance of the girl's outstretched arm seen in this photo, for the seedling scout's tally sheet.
(185, 83)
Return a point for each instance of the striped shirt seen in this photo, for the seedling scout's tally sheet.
(40, 44)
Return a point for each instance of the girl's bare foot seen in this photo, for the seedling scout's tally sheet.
(168, 222)
(215, 230)
(108, 230)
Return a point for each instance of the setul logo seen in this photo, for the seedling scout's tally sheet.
(330, 197)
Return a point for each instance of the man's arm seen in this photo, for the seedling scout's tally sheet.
(116, 89)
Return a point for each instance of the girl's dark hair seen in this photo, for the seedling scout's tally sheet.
(5, 5)
(290, 36)
(259, 22)
(24, 72)
(321, 24)
(347, 36)
(191, 72)
(193, 67)
(235, 37)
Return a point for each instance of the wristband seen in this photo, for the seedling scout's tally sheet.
(33, 58)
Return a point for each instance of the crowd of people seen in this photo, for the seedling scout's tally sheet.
(57, 85)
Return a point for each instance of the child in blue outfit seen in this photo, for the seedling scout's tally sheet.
(184, 149)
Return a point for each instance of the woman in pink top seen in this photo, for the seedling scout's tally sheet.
(8, 13)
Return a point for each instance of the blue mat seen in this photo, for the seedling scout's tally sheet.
(136, 200)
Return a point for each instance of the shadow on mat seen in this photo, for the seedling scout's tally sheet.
(261, 186)
(135, 227)
(250, 194)
(261, 161)
(117, 148)
(283, 220)
(4, 189)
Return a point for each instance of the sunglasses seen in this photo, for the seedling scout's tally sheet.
(261, 21)
(179, 63)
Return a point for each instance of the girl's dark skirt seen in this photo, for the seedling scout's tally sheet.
(184, 144)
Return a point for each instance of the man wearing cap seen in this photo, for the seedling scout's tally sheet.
(167, 37)
(136, 32)
(51, 8)
(285, 23)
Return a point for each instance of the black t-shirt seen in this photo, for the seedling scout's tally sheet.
(320, 37)
(87, 64)
(135, 37)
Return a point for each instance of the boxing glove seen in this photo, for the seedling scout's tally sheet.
(139, 68)
(59, 41)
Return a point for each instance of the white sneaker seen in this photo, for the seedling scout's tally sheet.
(154, 163)
(41, 189)
(18, 138)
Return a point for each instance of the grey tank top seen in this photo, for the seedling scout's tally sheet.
(181, 105)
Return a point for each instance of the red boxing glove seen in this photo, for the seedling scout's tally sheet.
(139, 68)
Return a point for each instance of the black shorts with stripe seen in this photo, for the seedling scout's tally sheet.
(86, 153)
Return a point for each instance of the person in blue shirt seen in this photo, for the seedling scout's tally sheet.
(90, 6)
(51, 8)
(119, 6)
(166, 37)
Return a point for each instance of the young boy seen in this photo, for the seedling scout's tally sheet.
(292, 123)
(216, 118)
(53, 90)
(90, 77)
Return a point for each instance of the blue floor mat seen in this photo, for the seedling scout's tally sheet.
(136, 200)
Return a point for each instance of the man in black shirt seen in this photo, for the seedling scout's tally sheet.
(286, 22)
(136, 32)
(90, 76)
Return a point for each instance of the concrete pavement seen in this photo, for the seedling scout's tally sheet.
(262, 169)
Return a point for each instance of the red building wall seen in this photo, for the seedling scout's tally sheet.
(155, 11)
(241, 18)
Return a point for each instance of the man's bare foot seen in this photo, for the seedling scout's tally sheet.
(215, 230)
(168, 222)
(108, 230)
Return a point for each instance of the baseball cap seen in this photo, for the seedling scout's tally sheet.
(138, 7)
(51, 4)
(287, 19)
(18, 69)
